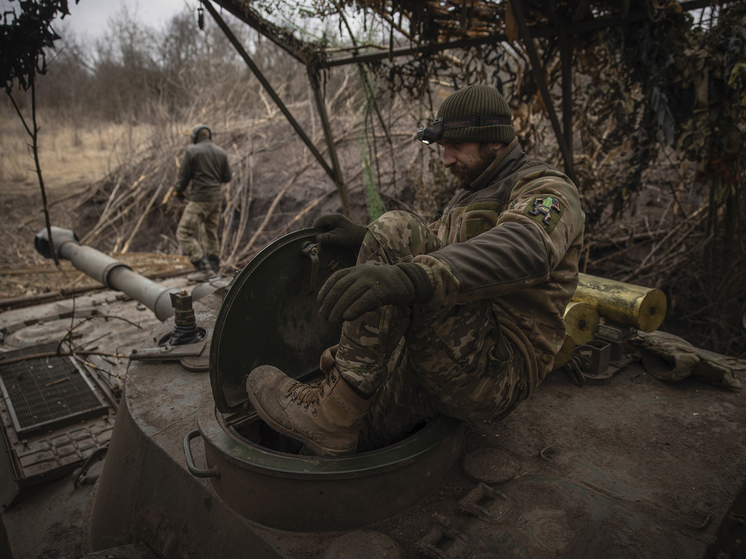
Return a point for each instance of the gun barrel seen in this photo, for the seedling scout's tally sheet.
(109, 271)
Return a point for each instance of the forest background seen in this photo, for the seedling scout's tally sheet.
(659, 119)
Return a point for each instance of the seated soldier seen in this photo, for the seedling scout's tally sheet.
(462, 317)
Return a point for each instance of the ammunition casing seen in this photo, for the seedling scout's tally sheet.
(582, 320)
(631, 305)
(565, 353)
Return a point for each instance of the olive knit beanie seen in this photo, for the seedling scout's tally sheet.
(473, 101)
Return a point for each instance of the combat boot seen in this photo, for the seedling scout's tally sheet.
(204, 271)
(214, 263)
(326, 417)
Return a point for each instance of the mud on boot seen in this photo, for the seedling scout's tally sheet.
(326, 416)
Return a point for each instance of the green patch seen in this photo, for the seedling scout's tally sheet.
(478, 218)
(546, 211)
(483, 206)
(474, 227)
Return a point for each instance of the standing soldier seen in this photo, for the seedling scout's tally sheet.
(206, 166)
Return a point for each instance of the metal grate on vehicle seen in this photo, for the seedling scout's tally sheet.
(46, 392)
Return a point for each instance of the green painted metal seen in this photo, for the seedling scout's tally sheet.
(321, 494)
(246, 454)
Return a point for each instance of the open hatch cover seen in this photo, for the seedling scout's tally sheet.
(270, 315)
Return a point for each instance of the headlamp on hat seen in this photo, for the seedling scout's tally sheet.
(431, 135)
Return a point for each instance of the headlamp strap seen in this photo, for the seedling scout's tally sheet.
(440, 125)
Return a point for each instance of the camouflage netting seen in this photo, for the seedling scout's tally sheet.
(662, 101)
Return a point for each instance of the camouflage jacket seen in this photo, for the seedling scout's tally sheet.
(514, 236)
(206, 166)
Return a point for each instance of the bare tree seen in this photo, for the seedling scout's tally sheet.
(23, 40)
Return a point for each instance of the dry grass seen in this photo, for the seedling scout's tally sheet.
(68, 154)
(110, 183)
(72, 158)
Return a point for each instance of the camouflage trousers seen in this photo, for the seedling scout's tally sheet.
(199, 217)
(428, 359)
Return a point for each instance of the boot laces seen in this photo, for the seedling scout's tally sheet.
(310, 393)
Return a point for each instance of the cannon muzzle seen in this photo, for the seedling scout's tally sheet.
(109, 271)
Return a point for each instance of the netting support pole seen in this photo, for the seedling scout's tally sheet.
(269, 89)
(344, 198)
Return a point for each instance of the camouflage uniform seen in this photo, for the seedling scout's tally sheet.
(504, 263)
(206, 166)
(199, 217)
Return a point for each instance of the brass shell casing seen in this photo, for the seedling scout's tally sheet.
(631, 305)
(582, 320)
(565, 353)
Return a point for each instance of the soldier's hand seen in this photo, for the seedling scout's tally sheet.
(350, 293)
(340, 231)
(178, 195)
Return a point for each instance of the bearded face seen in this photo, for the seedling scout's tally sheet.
(467, 160)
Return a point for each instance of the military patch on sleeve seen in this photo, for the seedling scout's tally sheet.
(545, 210)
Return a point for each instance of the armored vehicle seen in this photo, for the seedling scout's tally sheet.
(128, 433)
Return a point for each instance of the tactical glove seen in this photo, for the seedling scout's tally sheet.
(350, 293)
(340, 231)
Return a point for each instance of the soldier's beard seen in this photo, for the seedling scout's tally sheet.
(467, 174)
